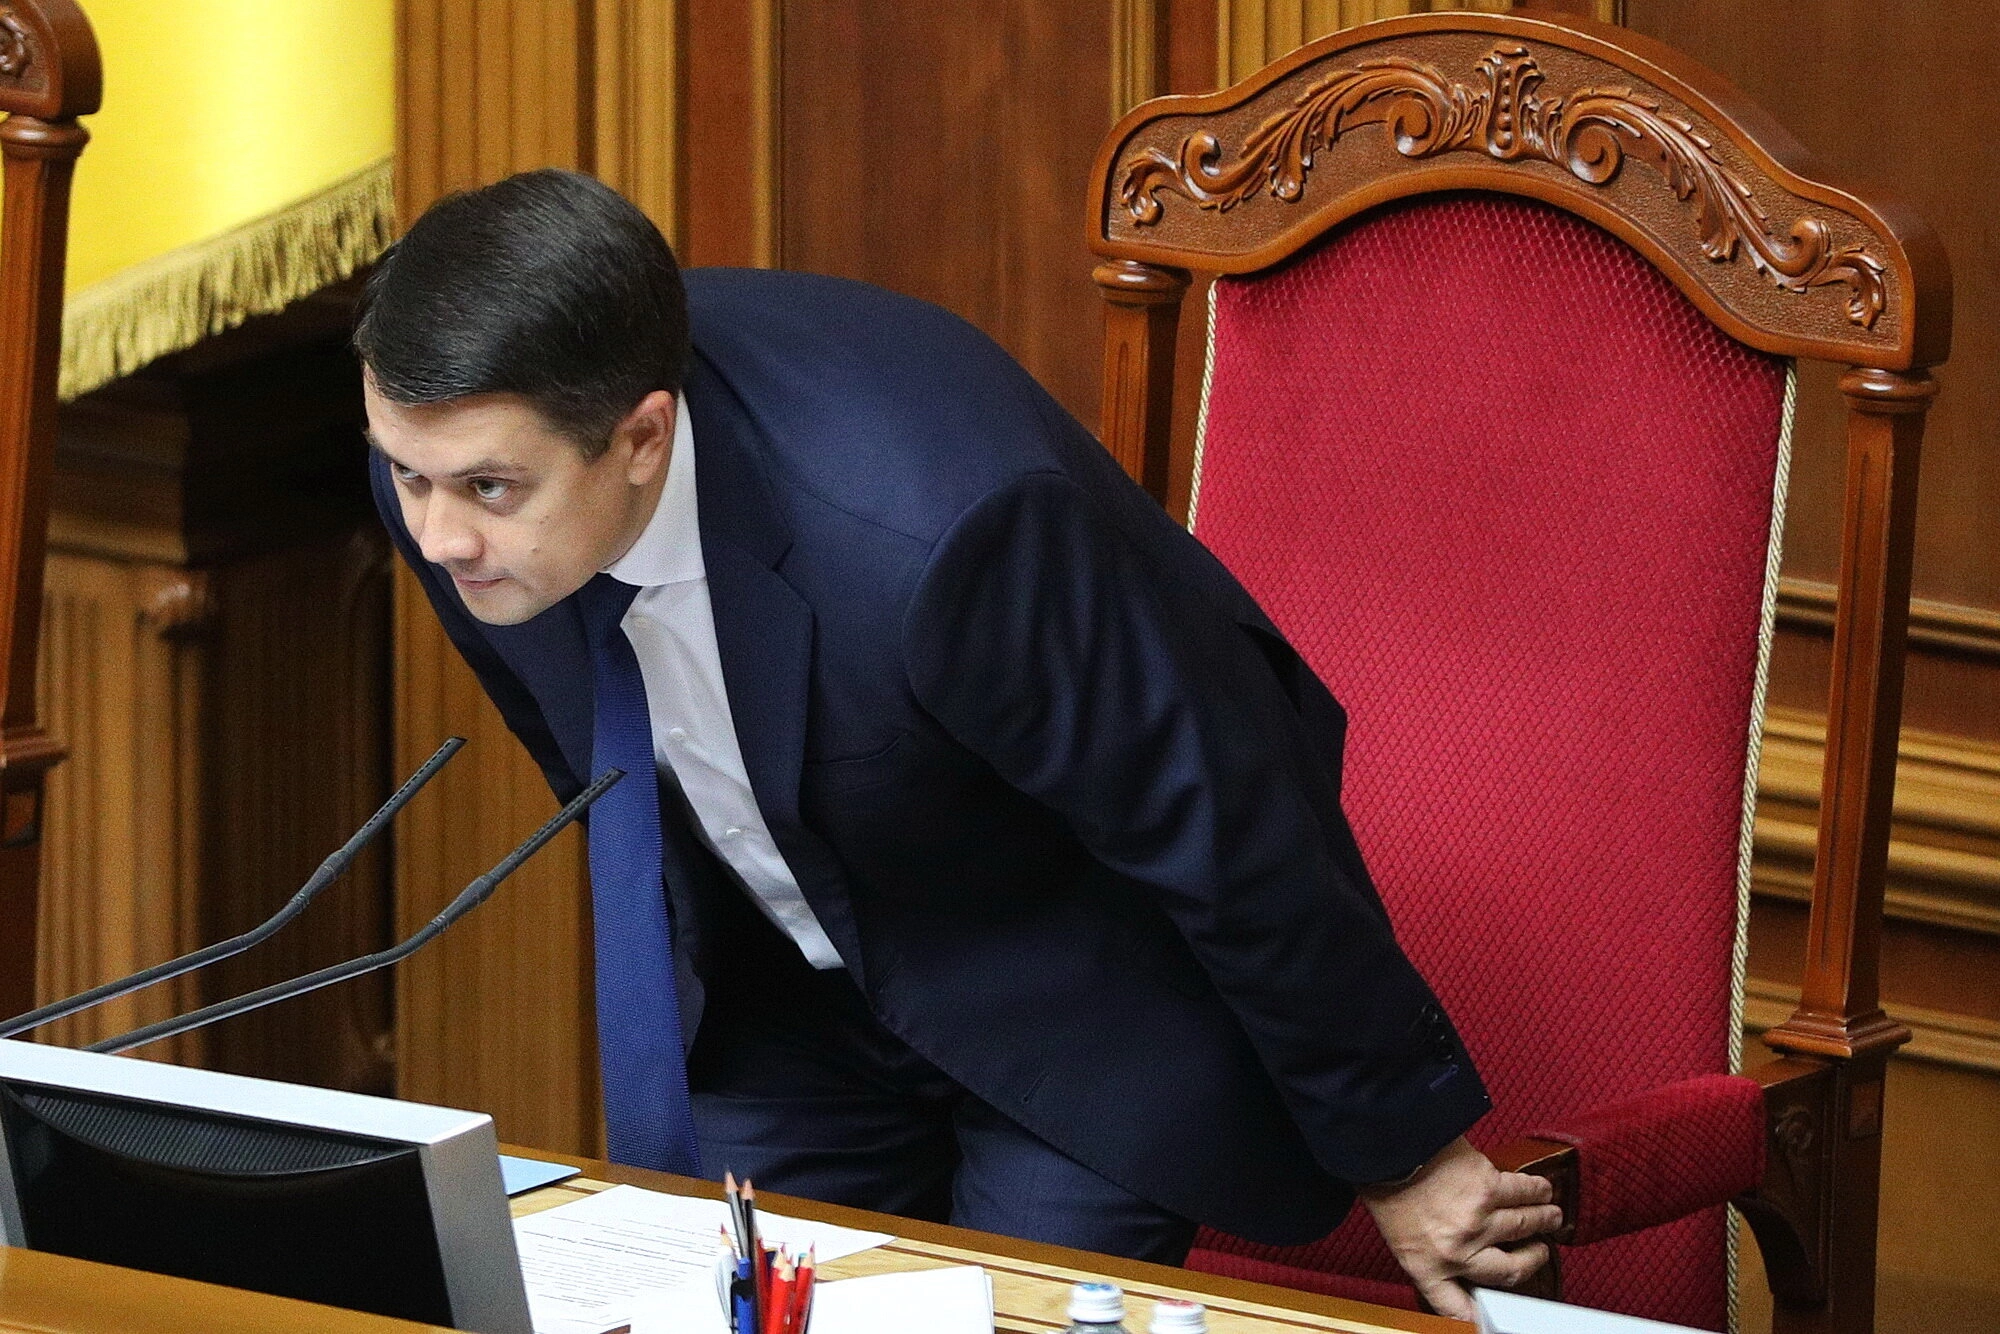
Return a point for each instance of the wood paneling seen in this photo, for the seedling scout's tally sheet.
(1250, 34)
(728, 140)
(1938, 1271)
(1944, 853)
(636, 126)
(490, 87)
(216, 632)
(123, 837)
(293, 757)
(946, 158)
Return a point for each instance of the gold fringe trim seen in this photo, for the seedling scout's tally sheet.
(173, 301)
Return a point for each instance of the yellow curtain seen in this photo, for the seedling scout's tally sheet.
(241, 161)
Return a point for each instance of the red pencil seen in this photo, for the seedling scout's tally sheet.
(802, 1293)
(778, 1318)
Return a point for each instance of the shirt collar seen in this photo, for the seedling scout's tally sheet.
(669, 550)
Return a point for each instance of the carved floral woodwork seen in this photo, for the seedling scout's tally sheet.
(1609, 127)
(16, 54)
(1589, 133)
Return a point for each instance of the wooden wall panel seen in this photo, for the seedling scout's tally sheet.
(946, 158)
(216, 629)
(727, 135)
(122, 841)
(636, 74)
(293, 758)
(490, 87)
(1253, 33)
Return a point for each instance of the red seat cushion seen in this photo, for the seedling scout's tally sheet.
(1510, 494)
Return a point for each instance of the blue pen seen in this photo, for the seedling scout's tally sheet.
(743, 1314)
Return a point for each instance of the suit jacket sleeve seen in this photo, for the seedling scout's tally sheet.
(1152, 721)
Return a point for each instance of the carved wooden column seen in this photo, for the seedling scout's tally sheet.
(1839, 1011)
(1142, 316)
(49, 75)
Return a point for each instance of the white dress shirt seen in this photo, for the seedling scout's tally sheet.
(672, 629)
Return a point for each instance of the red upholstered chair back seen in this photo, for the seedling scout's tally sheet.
(1497, 390)
(1530, 546)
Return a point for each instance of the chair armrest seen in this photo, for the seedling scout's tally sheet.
(1663, 1154)
(1545, 1158)
(1790, 1211)
(1557, 1162)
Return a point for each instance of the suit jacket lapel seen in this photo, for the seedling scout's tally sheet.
(764, 636)
(763, 628)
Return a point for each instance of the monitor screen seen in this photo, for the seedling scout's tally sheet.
(376, 1205)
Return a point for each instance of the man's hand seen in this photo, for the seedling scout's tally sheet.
(1460, 1220)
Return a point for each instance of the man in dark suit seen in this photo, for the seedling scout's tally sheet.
(1005, 877)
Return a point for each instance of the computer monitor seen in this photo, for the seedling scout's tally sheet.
(383, 1206)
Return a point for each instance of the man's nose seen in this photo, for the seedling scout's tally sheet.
(444, 536)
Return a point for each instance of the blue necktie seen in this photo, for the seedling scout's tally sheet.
(647, 1119)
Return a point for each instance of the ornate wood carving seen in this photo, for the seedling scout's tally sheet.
(1589, 133)
(1788, 1209)
(48, 60)
(1604, 124)
(15, 53)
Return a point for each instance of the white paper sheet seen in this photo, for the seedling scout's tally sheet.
(584, 1262)
(955, 1300)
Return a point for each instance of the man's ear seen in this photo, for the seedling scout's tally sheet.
(645, 438)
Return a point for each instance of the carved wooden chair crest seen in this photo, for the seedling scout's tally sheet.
(49, 75)
(1495, 424)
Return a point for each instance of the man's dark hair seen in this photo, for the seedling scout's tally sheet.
(549, 285)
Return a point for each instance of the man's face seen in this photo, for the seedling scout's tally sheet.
(511, 508)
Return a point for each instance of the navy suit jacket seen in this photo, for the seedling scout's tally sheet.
(1063, 798)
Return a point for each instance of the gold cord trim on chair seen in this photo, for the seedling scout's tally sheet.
(1767, 631)
(173, 301)
(1201, 419)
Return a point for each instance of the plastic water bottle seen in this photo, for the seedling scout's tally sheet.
(1096, 1308)
(1172, 1316)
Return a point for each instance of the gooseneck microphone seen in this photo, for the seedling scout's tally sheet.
(329, 871)
(468, 898)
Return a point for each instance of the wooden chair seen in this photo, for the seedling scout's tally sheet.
(49, 75)
(1495, 425)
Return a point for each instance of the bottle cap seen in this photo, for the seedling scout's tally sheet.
(1177, 1317)
(1096, 1304)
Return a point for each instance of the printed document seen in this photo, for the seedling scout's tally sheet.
(584, 1262)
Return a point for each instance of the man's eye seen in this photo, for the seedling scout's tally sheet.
(403, 474)
(489, 488)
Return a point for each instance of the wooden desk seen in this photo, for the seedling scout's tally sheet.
(48, 1294)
